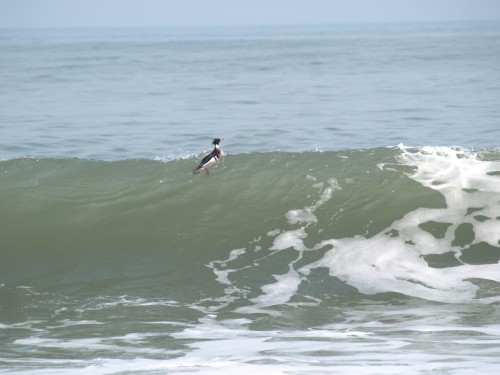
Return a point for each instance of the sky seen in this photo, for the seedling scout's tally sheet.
(174, 13)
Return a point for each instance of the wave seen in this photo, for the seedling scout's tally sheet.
(263, 230)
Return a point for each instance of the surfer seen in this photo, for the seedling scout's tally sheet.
(211, 159)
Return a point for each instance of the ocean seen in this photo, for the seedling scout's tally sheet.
(352, 226)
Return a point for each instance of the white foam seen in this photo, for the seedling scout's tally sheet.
(233, 348)
(393, 260)
(273, 233)
(466, 183)
(278, 293)
(356, 344)
(306, 214)
(388, 263)
(301, 216)
(289, 239)
(286, 285)
(178, 155)
(222, 274)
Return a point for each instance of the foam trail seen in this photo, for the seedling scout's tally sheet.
(306, 215)
(222, 275)
(467, 183)
(384, 264)
(392, 260)
(286, 285)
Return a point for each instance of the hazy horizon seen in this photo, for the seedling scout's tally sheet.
(226, 13)
(243, 26)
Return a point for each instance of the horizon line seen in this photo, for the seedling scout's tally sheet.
(244, 25)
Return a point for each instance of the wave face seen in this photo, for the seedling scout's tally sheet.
(262, 235)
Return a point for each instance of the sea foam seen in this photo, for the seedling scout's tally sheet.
(393, 260)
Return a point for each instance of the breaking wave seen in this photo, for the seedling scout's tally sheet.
(263, 230)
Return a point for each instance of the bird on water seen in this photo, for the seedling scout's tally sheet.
(210, 160)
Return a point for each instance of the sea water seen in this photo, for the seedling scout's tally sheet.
(353, 225)
(121, 94)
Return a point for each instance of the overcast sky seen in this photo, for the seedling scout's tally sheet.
(118, 13)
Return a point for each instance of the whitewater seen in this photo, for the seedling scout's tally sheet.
(353, 225)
